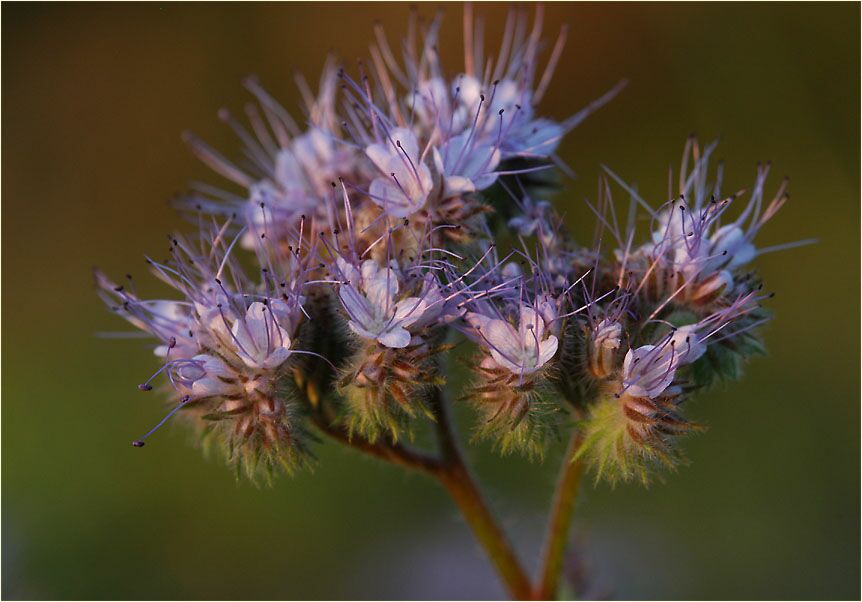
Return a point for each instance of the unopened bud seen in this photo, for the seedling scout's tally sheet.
(603, 346)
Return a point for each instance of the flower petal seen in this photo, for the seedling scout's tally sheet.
(355, 304)
(380, 290)
(409, 310)
(396, 338)
(547, 350)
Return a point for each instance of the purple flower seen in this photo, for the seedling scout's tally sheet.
(650, 369)
(466, 164)
(523, 347)
(405, 182)
(370, 298)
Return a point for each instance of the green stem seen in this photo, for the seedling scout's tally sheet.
(455, 477)
(568, 485)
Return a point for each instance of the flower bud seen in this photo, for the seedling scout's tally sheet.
(627, 437)
(383, 388)
(602, 348)
(514, 412)
(712, 288)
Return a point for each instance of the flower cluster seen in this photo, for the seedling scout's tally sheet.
(227, 343)
(353, 254)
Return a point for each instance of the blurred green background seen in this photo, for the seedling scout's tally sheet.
(95, 98)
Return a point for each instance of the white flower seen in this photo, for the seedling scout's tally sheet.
(533, 137)
(670, 225)
(521, 133)
(712, 286)
(506, 95)
(521, 351)
(468, 91)
(689, 346)
(730, 239)
(548, 308)
(320, 158)
(466, 164)
(607, 334)
(432, 104)
(405, 183)
(260, 341)
(170, 320)
(206, 376)
(437, 308)
(374, 312)
(650, 369)
(301, 179)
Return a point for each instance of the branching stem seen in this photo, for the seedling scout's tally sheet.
(394, 453)
(456, 478)
(451, 471)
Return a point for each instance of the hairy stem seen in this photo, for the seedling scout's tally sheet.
(390, 452)
(568, 485)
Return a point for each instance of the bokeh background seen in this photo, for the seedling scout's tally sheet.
(95, 98)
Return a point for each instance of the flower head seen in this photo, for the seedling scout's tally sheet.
(370, 298)
(290, 169)
(403, 218)
(692, 255)
(404, 182)
(523, 347)
(224, 346)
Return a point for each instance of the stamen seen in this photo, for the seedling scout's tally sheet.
(140, 442)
